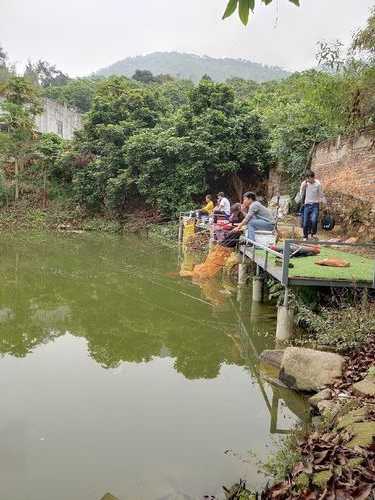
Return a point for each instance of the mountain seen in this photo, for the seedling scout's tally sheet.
(193, 67)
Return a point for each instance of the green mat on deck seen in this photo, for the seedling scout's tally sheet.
(361, 268)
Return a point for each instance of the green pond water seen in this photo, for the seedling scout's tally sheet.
(117, 375)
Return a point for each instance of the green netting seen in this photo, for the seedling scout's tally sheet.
(361, 268)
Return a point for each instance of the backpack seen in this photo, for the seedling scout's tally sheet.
(328, 222)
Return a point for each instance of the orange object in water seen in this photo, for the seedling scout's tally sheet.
(214, 262)
(333, 263)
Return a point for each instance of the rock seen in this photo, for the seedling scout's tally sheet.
(310, 370)
(108, 496)
(328, 407)
(365, 387)
(363, 434)
(358, 415)
(321, 478)
(323, 395)
(272, 357)
(316, 420)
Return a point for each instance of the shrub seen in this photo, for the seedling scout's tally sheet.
(342, 329)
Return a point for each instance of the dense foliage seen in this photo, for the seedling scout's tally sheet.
(138, 148)
(77, 93)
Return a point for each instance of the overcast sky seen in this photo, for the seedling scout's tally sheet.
(81, 36)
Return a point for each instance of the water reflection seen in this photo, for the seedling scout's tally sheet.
(125, 306)
(162, 373)
(122, 299)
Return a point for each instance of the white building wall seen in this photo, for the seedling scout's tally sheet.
(57, 118)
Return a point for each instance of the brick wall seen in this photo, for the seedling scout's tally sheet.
(346, 165)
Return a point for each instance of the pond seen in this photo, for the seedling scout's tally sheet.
(117, 375)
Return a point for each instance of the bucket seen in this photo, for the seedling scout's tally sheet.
(265, 238)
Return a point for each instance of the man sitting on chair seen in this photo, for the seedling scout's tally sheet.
(258, 218)
(223, 205)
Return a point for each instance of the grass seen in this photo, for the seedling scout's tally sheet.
(361, 268)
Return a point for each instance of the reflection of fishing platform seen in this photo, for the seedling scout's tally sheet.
(279, 400)
(296, 265)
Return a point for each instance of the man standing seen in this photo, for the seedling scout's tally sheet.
(312, 195)
(258, 218)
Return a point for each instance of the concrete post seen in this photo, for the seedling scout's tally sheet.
(256, 314)
(257, 289)
(242, 274)
(284, 326)
(180, 230)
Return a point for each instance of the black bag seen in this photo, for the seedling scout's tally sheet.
(328, 222)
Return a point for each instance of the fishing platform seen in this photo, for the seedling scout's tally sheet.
(303, 271)
(290, 270)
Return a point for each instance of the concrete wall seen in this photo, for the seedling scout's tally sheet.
(277, 183)
(347, 166)
(59, 119)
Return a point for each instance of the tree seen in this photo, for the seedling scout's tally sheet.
(299, 112)
(329, 56)
(245, 7)
(144, 76)
(119, 111)
(364, 39)
(18, 137)
(78, 93)
(4, 72)
(243, 89)
(48, 150)
(209, 143)
(45, 74)
(3, 58)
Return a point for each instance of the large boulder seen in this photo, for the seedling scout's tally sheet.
(309, 370)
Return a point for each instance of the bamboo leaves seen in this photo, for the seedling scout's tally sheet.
(231, 7)
(245, 6)
(244, 10)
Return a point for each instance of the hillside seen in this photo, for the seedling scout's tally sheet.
(193, 67)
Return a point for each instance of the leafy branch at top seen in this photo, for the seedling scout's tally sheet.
(244, 7)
